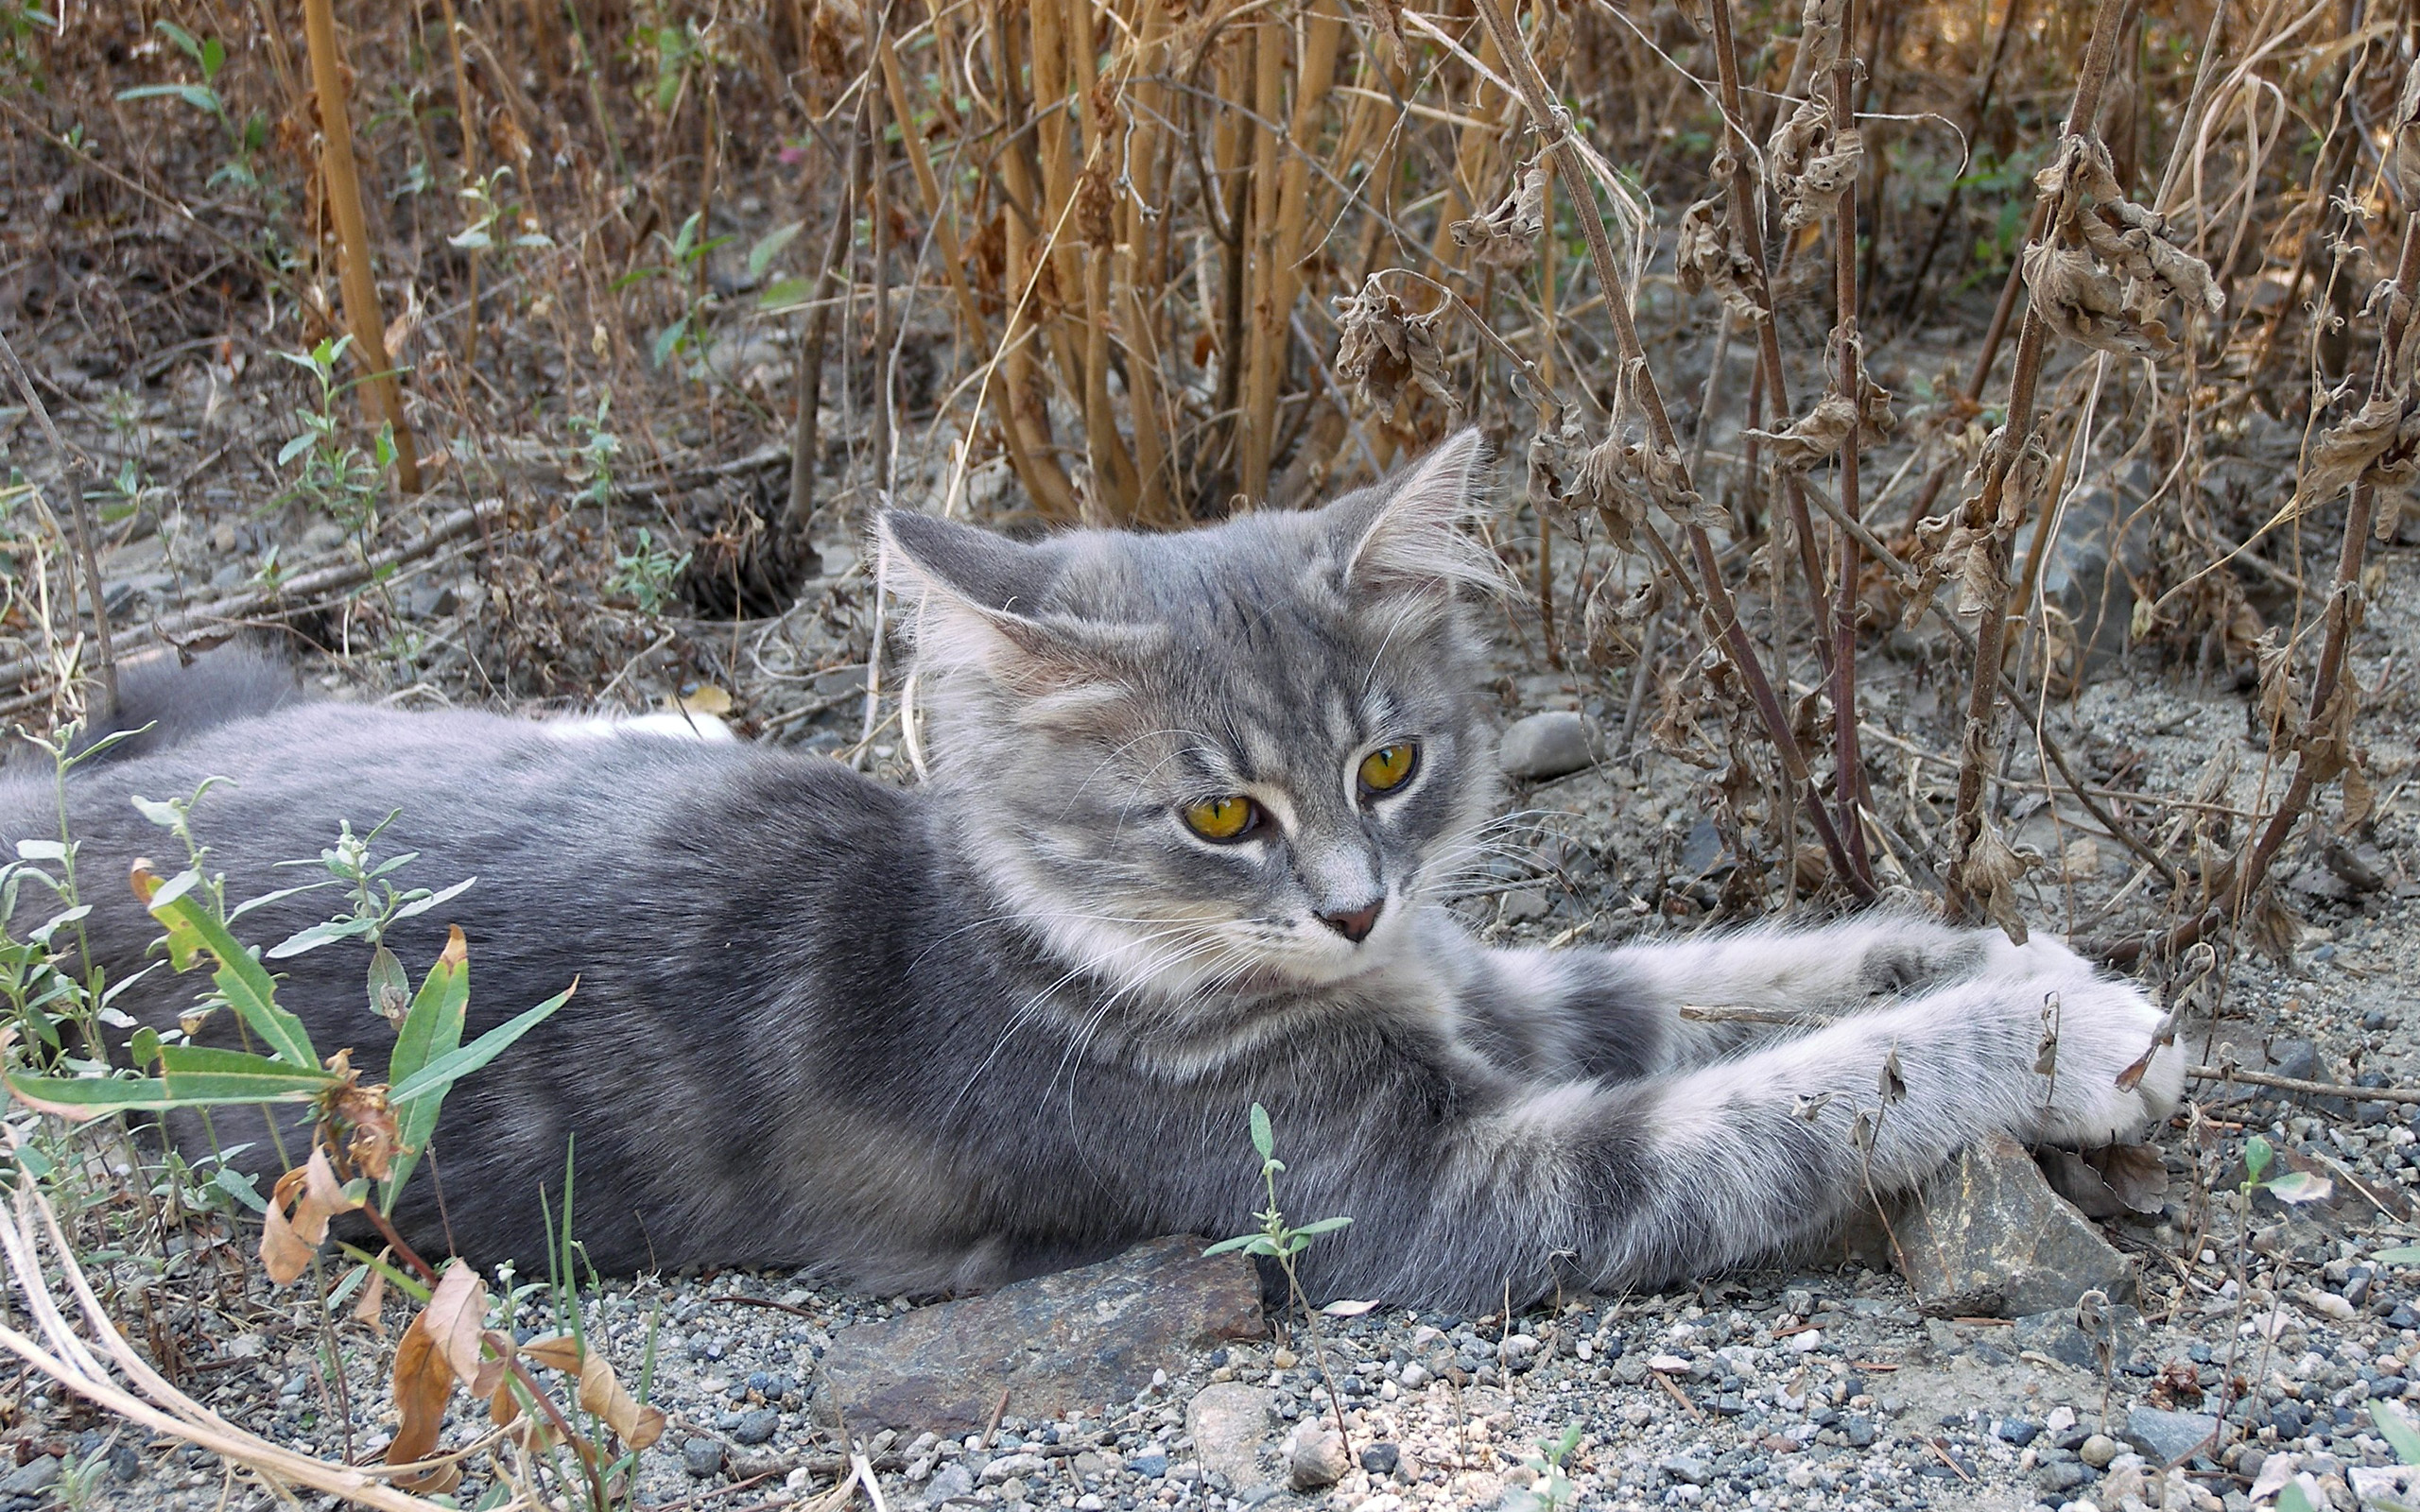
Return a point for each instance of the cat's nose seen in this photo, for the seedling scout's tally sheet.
(1355, 924)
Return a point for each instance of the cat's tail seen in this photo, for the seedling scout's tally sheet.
(166, 701)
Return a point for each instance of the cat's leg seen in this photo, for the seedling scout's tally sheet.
(1619, 1013)
(1685, 1174)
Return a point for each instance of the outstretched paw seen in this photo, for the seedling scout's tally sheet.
(2099, 1088)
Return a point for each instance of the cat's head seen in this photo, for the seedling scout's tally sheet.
(1229, 757)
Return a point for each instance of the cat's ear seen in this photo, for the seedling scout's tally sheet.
(976, 603)
(1411, 534)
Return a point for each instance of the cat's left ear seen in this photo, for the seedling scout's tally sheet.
(978, 602)
(1411, 535)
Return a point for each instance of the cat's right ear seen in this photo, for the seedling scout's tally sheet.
(976, 602)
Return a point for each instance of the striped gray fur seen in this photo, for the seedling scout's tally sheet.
(1012, 1018)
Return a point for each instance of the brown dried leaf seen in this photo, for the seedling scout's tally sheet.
(371, 1303)
(2082, 301)
(440, 1347)
(1382, 349)
(600, 1391)
(1812, 437)
(1711, 255)
(2348, 449)
(1507, 237)
(1819, 37)
(1989, 872)
(2137, 1175)
(314, 1195)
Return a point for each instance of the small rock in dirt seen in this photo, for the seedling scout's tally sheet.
(2098, 1451)
(703, 1456)
(1074, 1339)
(2169, 1436)
(1315, 1456)
(1989, 1236)
(1009, 1464)
(2064, 1476)
(756, 1427)
(952, 1480)
(1683, 1468)
(33, 1477)
(1382, 1460)
(1152, 1464)
(1547, 745)
(2054, 1333)
(1230, 1423)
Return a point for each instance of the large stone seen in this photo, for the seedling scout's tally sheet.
(1078, 1339)
(1230, 1423)
(1989, 1237)
(2168, 1437)
(1543, 746)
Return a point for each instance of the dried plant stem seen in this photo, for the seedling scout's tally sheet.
(794, 545)
(384, 396)
(466, 116)
(74, 469)
(2233, 888)
(1044, 482)
(1553, 125)
(1747, 217)
(1849, 778)
(1977, 745)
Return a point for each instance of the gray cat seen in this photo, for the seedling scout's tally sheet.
(1192, 800)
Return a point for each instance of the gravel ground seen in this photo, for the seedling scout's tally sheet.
(1818, 1386)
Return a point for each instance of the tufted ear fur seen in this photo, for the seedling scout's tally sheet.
(976, 606)
(1409, 535)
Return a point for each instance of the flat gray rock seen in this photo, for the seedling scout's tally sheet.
(2166, 1437)
(1543, 746)
(1077, 1339)
(1230, 1424)
(1988, 1237)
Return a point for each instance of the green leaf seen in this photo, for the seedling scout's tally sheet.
(194, 94)
(91, 1094)
(2399, 1255)
(2290, 1498)
(214, 57)
(1263, 1139)
(1325, 1226)
(2394, 1426)
(769, 247)
(785, 294)
(304, 941)
(184, 41)
(391, 991)
(443, 1072)
(2299, 1187)
(196, 1076)
(437, 899)
(41, 850)
(1228, 1246)
(194, 930)
(241, 1187)
(431, 1031)
(667, 341)
(2258, 1153)
(278, 895)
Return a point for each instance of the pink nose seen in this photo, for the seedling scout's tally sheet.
(1355, 924)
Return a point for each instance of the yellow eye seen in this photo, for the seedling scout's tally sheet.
(1387, 768)
(1230, 818)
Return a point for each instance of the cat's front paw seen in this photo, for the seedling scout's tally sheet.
(2095, 1032)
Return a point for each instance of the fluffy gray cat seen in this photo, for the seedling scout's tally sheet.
(1192, 800)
